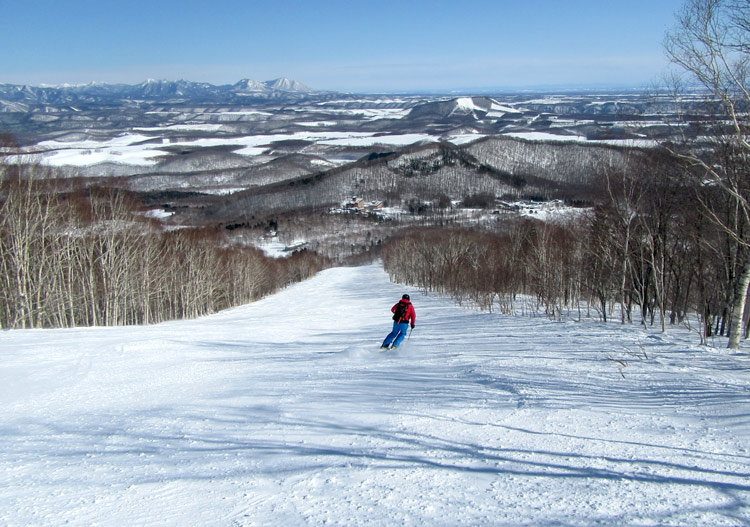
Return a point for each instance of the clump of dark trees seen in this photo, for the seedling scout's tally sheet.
(88, 257)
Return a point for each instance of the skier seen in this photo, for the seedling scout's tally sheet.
(403, 313)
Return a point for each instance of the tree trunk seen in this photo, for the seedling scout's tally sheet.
(740, 298)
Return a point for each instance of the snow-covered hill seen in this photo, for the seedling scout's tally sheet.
(284, 412)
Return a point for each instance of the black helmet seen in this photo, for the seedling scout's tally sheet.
(405, 297)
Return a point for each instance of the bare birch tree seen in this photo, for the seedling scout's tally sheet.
(711, 44)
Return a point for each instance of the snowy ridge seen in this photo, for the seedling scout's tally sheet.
(278, 413)
(467, 105)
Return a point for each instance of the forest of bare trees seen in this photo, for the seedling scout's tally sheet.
(88, 258)
(649, 254)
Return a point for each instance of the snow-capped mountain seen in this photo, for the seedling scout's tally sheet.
(249, 85)
(151, 89)
(164, 88)
(281, 84)
(284, 84)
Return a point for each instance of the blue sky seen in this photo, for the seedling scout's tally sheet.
(345, 45)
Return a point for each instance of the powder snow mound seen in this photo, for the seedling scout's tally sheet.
(285, 412)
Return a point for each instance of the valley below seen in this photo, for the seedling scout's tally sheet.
(281, 159)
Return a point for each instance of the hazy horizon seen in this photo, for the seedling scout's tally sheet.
(391, 47)
(460, 90)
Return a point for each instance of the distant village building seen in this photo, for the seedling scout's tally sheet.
(357, 205)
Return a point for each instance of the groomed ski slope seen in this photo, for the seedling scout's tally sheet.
(284, 412)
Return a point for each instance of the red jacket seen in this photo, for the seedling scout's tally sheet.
(410, 314)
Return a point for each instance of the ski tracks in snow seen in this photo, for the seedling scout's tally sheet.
(284, 412)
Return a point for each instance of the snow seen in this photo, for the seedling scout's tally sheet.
(126, 149)
(548, 100)
(135, 149)
(223, 191)
(159, 213)
(390, 140)
(467, 104)
(546, 136)
(462, 139)
(371, 114)
(503, 109)
(242, 113)
(284, 412)
(275, 248)
(315, 124)
(197, 127)
(549, 211)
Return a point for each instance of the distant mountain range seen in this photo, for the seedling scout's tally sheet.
(152, 90)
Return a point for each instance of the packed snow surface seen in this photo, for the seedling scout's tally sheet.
(285, 412)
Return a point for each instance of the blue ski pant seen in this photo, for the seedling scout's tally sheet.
(397, 335)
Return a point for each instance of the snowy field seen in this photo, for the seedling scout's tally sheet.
(284, 412)
(550, 137)
(142, 150)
